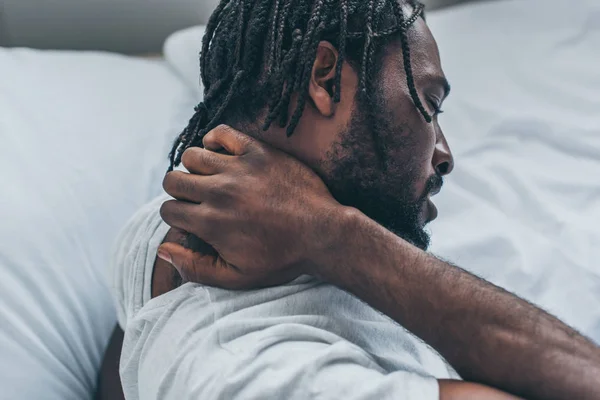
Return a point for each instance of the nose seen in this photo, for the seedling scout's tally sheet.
(443, 161)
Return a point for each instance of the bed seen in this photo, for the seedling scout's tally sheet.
(77, 130)
(85, 137)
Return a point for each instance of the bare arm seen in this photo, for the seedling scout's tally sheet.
(488, 334)
(459, 390)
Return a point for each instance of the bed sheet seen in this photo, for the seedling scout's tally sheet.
(84, 144)
(522, 207)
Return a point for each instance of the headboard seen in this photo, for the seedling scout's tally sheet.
(125, 26)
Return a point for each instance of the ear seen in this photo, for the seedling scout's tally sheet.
(323, 77)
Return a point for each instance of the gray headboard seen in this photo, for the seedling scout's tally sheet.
(126, 26)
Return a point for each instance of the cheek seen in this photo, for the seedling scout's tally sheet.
(411, 153)
(413, 138)
(317, 136)
(425, 147)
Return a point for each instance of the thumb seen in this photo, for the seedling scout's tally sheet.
(207, 269)
(225, 137)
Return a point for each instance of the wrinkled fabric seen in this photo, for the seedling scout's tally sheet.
(303, 340)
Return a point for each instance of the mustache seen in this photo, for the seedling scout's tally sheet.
(433, 185)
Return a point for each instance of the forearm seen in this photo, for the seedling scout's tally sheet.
(489, 335)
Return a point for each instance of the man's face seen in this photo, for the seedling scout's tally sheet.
(377, 153)
(385, 177)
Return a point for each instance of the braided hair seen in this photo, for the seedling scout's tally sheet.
(257, 53)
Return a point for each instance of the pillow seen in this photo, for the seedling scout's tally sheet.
(85, 138)
(182, 52)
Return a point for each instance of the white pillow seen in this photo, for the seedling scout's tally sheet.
(182, 52)
(85, 138)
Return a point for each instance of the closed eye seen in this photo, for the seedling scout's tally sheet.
(437, 110)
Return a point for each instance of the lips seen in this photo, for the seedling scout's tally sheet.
(429, 211)
(435, 190)
(432, 211)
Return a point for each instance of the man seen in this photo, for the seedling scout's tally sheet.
(352, 89)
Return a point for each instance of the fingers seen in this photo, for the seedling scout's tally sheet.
(188, 217)
(199, 268)
(187, 187)
(212, 270)
(225, 137)
(204, 162)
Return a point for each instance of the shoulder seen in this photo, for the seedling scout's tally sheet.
(132, 261)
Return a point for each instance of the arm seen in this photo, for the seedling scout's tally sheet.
(109, 383)
(272, 224)
(489, 335)
(459, 390)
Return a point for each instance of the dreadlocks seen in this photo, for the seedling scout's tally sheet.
(264, 50)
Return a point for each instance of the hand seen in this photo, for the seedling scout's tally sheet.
(264, 213)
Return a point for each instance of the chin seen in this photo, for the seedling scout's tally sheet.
(416, 235)
(423, 242)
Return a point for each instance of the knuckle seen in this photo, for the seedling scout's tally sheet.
(190, 156)
(184, 186)
(208, 158)
(171, 213)
(226, 130)
(217, 132)
(228, 193)
(243, 138)
(208, 215)
(258, 154)
(180, 184)
(166, 181)
(228, 187)
(166, 210)
(169, 180)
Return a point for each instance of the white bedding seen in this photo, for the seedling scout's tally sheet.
(84, 143)
(85, 136)
(523, 205)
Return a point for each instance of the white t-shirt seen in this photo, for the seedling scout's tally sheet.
(304, 340)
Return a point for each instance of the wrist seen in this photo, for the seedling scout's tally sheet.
(340, 225)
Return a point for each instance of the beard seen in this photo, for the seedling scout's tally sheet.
(362, 172)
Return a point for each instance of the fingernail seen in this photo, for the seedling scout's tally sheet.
(164, 256)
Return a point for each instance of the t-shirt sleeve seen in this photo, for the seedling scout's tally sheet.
(312, 369)
(172, 351)
(132, 259)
